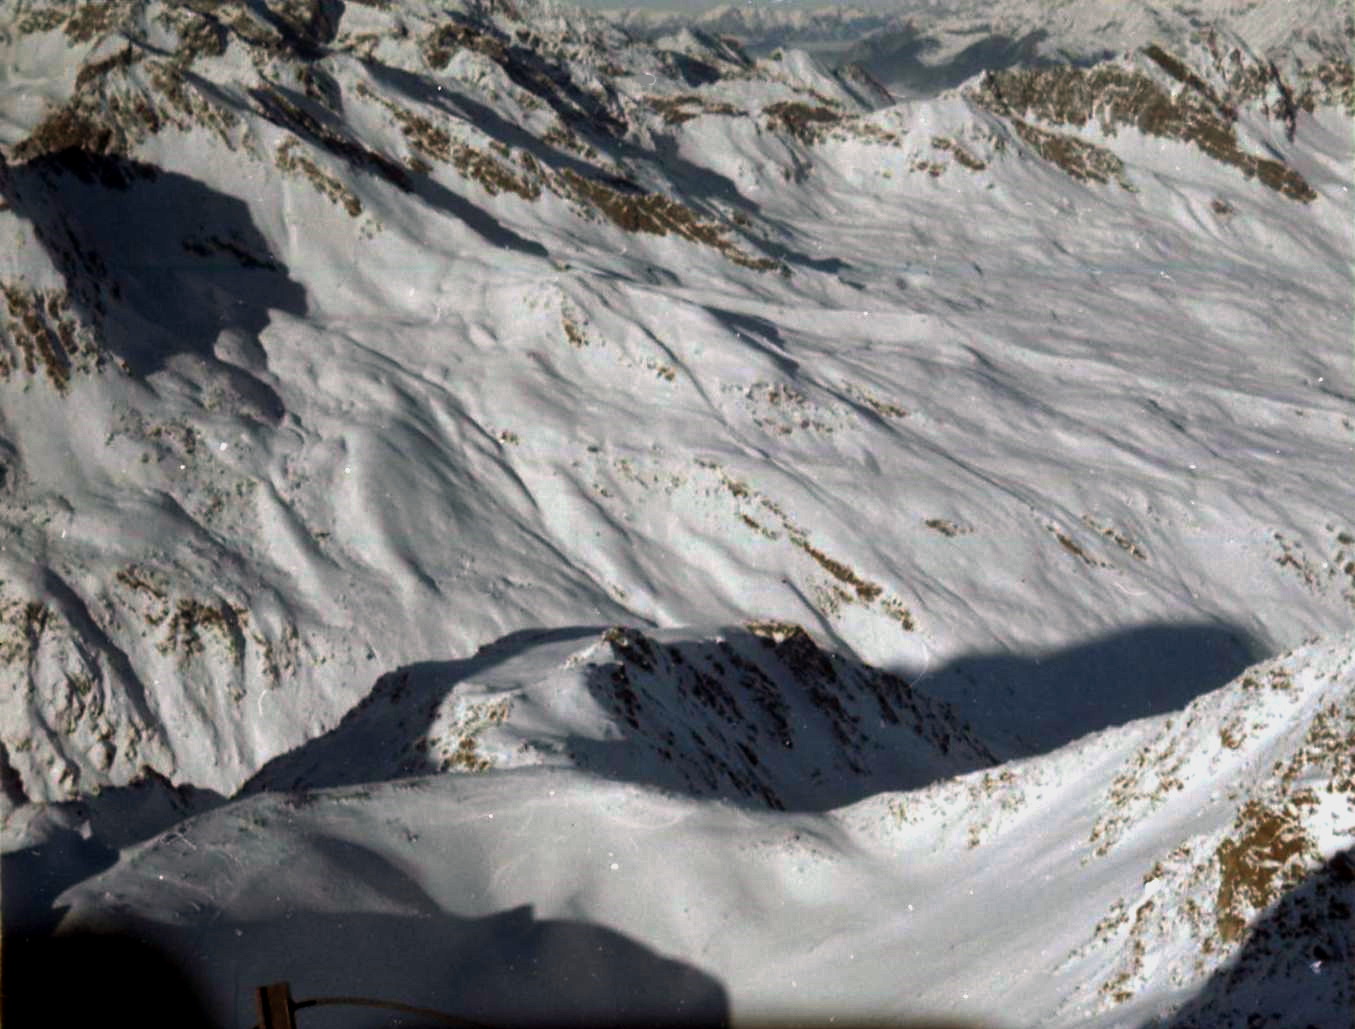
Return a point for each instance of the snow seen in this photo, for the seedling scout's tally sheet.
(916, 584)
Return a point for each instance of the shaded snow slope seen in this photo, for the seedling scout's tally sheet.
(1098, 885)
(760, 715)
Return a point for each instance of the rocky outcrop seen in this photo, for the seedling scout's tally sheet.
(1178, 104)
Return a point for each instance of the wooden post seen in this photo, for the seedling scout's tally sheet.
(275, 1006)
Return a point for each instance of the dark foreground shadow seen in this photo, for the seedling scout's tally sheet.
(771, 720)
(510, 968)
(1296, 968)
(97, 978)
(507, 969)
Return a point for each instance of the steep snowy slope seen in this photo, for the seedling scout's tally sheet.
(337, 343)
(1098, 885)
(393, 391)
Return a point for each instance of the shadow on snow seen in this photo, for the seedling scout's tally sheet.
(776, 722)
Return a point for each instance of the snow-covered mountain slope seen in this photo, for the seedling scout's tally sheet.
(1097, 885)
(336, 344)
(940, 46)
(396, 391)
(758, 714)
(918, 47)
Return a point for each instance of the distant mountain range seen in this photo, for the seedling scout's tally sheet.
(921, 47)
(762, 27)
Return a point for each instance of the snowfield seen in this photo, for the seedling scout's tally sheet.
(516, 518)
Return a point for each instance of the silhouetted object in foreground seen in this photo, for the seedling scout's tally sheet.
(89, 979)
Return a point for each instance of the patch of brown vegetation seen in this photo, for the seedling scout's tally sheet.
(439, 45)
(677, 110)
(1067, 543)
(881, 407)
(758, 527)
(190, 618)
(42, 19)
(962, 156)
(153, 588)
(942, 526)
(562, 136)
(96, 70)
(199, 36)
(900, 612)
(41, 330)
(573, 333)
(1115, 96)
(72, 128)
(191, 105)
(1118, 988)
(1074, 548)
(1084, 161)
(24, 622)
(653, 213)
(1120, 540)
(492, 174)
(1292, 556)
(866, 131)
(1269, 853)
(141, 580)
(436, 142)
(283, 111)
(1144, 783)
(465, 755)
(806, 122)
(289, 159)
(1329, 745)
(466, 758)
(866, 591)
(94, 19)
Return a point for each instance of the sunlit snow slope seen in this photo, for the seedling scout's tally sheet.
(335, 345)
(361, 364)
(1186, 866)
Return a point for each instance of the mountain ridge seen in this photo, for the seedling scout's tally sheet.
(449, 449)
